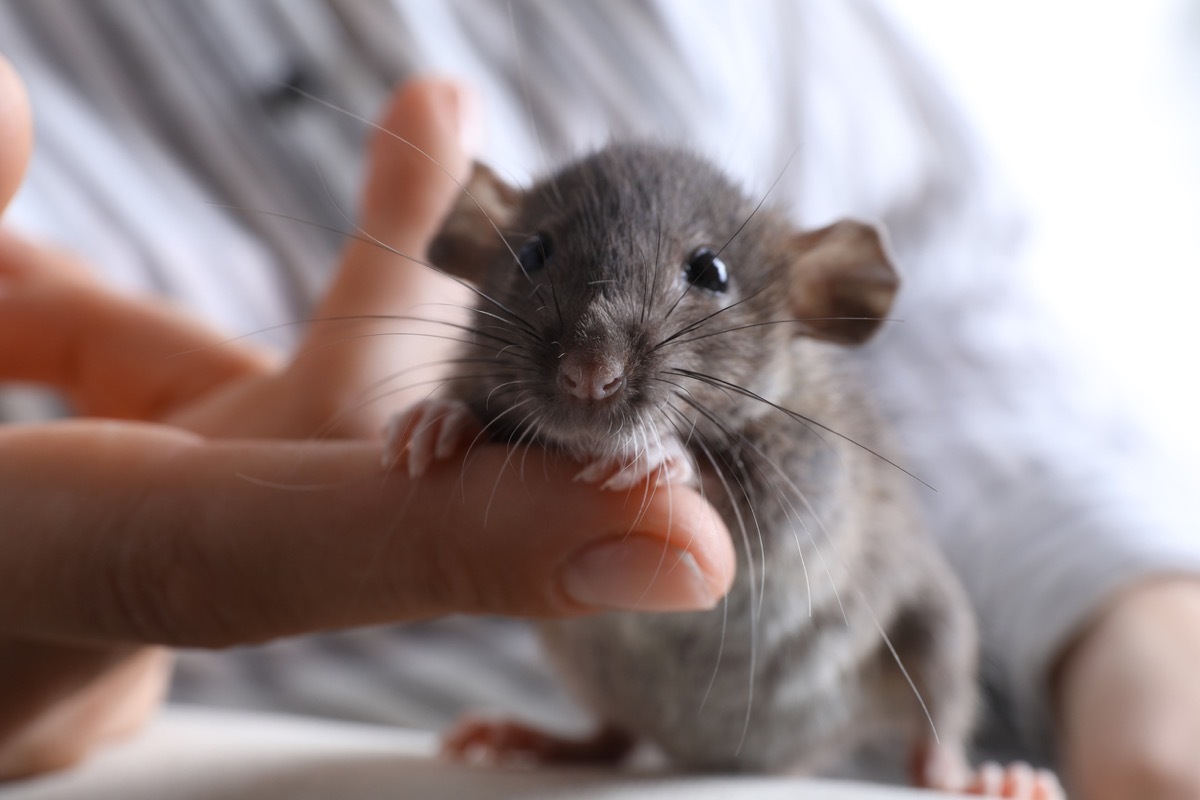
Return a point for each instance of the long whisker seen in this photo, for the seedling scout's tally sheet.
(694, 325)
(526, 434)
(315, 321)
(806, 421)
(482, 438)
(370, 240)
(768, 323)
(766, 194)
(436, 383)
(462, 187)
(830, 542)
(752, 667)
(750, 504)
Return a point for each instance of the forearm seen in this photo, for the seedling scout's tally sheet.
(1126, 698)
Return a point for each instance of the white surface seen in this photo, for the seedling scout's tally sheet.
(193, 754)
(1093, 111)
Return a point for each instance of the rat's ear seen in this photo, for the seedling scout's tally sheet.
(842, 281)
(468, 237)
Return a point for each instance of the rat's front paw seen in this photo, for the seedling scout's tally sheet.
(667, 462)
(427, 431)
(946, 769)
(1018, 781)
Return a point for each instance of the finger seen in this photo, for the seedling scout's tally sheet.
(72, 699)
(114, 356)
(425, 135)
(417, 162)
(16, 132)
(171, 539)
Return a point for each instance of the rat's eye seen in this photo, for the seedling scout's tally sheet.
(534, 254)
(705, 270)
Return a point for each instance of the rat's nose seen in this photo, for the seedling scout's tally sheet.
(588, 379)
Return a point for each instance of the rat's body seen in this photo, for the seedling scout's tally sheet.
(794, 671)
(643, 315)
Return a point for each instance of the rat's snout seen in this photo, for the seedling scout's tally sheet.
(590, 378)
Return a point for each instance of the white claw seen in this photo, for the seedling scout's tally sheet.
(1016, 781)
(428, 431)
(665, 463)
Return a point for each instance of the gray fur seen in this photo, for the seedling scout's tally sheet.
(844, 552)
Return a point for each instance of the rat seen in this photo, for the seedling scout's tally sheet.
(641, 313)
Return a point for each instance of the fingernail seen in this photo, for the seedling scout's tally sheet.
(638, 574)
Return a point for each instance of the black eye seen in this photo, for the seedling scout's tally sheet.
(534, 254)
(705, 271)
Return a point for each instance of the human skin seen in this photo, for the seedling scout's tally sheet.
(216, 494)
(1128, 696)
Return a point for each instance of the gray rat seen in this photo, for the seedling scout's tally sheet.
(641, 313)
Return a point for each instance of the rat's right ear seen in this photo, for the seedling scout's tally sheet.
(469, 237)
(842, 281)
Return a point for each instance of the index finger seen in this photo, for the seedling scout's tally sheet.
(139, 533)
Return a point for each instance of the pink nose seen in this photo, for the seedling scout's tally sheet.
(589, 380)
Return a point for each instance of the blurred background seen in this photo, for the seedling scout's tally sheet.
(1093, 112)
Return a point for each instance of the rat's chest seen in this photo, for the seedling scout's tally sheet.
(749, 685)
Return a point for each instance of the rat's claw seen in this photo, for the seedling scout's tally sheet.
(1046, 786)
(945, 769)
(1017, 781)
(597, 471)
(428, 431)
(493, 741)
(677, 470)
(668, 463)
(626, 476)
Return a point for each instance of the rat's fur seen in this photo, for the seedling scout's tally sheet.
(844, 622)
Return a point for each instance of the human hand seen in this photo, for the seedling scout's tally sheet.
(1129, 697)
(384, 317)
(122, 533)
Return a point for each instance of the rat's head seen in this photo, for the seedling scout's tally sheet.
(639, 292)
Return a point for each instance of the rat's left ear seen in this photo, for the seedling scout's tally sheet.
(469, 235)
(841, 282)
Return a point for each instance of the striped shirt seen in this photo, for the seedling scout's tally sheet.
(164, 127)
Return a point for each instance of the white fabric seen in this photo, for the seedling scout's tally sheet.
(191, 754)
